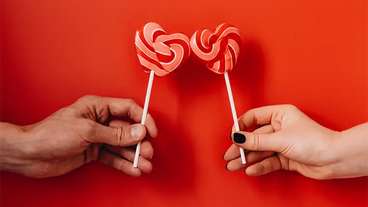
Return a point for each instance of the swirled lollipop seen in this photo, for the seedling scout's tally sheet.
(220, 51)
(159, 53)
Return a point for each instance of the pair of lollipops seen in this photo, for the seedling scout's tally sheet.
(160, 53)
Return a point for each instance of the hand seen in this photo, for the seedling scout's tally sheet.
(85, 131)
(285, 139)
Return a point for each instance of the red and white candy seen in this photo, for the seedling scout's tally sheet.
(219, 49)
(160, 51)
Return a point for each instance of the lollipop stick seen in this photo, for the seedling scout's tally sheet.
(235, 117)
(144, 116)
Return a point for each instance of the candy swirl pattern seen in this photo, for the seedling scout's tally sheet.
(160, 51)
(219, 49)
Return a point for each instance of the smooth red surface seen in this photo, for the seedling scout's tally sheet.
(309, 53)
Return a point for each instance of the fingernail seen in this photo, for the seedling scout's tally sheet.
(136, 131)
(226, 167)
(239, 138)
(245, 171)
(231, 133)
(223, 156)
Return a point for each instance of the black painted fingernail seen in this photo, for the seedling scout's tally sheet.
(223, 156)
(231, 133)
(239, 138)
(245, 171)
(226, 167)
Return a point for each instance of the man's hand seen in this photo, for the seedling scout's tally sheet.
(93, 128)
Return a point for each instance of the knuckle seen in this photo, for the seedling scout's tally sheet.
(290, 107)
(131, 101)
(249, 113)
(82, 101)
(67, 111)
(243, 118)
(119, 135)
(87, 98)
(262, 169)
(256, 142)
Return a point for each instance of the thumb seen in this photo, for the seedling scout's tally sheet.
(119, 136)
(259, 142)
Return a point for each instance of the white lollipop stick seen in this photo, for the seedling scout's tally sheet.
(144, 116)
(235, 117)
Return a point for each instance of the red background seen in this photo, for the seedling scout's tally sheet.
(309, 53)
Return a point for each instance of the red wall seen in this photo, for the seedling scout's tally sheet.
(309, 53)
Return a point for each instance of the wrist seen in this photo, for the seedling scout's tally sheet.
(334, 167)
(11, 150)
(328, 158)
(351, 153)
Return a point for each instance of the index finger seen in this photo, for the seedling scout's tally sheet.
(129, 108)
(105, 106)
(258, 116)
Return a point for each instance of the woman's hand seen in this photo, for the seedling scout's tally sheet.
(287, 139)
(93, 128)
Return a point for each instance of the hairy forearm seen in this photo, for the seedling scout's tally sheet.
(11, 147)
(352, 152)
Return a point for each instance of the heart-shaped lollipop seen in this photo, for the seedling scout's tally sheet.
(220, 51)
(159, 51)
